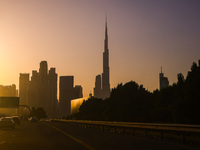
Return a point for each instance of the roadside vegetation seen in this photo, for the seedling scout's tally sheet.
(131, 102)
(38, 112)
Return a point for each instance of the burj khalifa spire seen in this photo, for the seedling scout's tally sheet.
(105, 93)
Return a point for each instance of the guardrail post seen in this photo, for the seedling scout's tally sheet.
(133, 131)
(182, 137)
(103, 128)
(109, 129)
(115, 130)
(161, 135)
(145, 132)
(123, 130)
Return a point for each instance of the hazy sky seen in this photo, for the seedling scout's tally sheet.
(69, 34)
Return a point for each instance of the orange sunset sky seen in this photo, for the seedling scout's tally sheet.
(143, 35)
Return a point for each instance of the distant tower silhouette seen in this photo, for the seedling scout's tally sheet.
(8, 90)
(105, 79)
(52, 92)
(42, 89)
(163, 80)
(23, 88)
(97, 89)
(105, 93)
(67, 92)
(43, 84)
(78, 91)
(33, 90)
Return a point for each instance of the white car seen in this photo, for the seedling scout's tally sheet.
(7, 122)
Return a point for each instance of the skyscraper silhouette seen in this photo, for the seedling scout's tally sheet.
(78, 91)
(67, 92)
(8, 91)
(42, 89)
(23, 88)
(43, 81)
(105, 75)
(163, 80)
(52, 92)
(97, 89)
(33, 90)
(105, 91)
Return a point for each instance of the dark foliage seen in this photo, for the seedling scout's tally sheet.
(129, 102)
(92, 109)
(38, 112)
(179, 103)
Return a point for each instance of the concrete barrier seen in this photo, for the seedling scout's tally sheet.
(176, 129)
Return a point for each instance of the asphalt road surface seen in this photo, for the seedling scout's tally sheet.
(59, 136)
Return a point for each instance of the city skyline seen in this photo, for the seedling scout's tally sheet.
(143, 36)
(40, 90)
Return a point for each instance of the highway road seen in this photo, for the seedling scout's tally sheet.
(58, 136)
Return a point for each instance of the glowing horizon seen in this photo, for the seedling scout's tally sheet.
(69, 35)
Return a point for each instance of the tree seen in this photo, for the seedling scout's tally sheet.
(180, 80)
(92, 109)
(39, 113)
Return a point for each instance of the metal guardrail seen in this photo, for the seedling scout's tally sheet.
(178, 129)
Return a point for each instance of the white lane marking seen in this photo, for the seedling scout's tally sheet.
(2, 142)
(70, 136)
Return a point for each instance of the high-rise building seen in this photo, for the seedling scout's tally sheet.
(23, 88)
(33, 90)
(78, 91)
(43, 84)
(42, 89)
(43, 70)
(52, 92)
(8, 90)
(67, 92)
(97, 89)
(163, 80)
(105, 91)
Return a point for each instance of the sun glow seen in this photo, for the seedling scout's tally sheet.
(76, 103)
